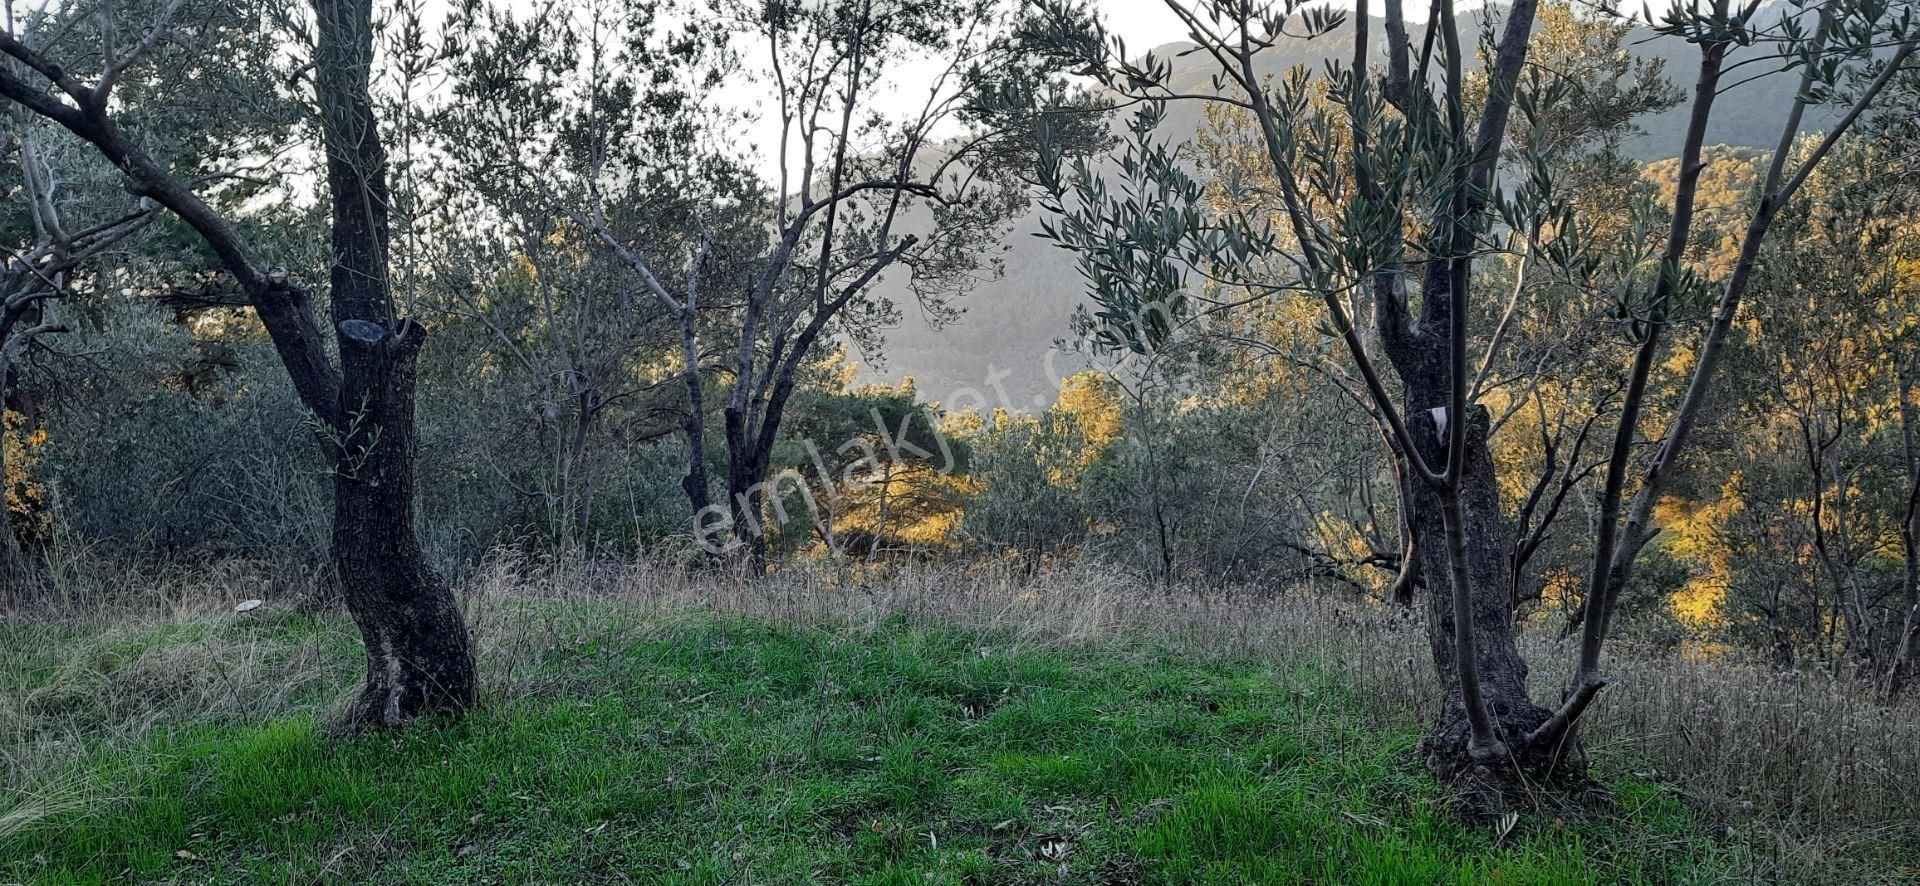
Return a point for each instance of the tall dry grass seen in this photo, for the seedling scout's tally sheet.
(114, 651)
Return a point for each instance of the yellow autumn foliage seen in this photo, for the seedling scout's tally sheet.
(1693, 531)
(25, 499)
(1092, 400)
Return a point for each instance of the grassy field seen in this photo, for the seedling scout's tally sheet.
(727, 751)
(695, 745)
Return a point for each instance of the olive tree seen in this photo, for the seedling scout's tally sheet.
(361, 392)
(1386, 199)
(861, 192)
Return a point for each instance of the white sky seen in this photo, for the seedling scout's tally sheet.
(1143, 24)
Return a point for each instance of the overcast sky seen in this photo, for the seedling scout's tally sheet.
(1143, 24)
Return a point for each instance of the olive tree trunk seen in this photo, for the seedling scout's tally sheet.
(419, 659)
(1421, 361)
(418, 654)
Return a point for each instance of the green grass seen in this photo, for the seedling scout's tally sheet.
(710, 750)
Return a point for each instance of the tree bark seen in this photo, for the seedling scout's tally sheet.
(419, 659)
(418, 655)
(1406, 582)
(746, 470)
(1487, 712)
(1502, 671)
(575, 490)
(695, 484)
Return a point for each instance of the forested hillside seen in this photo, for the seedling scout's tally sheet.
(1009, 332)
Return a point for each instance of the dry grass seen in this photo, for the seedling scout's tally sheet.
(1805, 763)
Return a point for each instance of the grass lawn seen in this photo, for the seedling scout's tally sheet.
(710, 750)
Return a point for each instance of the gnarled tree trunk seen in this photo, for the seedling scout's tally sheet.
(1421, 361)
(1502, 670)
(418, 655)
(1487, 730)
(747, 493)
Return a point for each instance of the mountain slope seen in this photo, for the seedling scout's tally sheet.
(1002, 348)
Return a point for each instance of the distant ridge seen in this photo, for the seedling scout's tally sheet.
(1000, 350)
